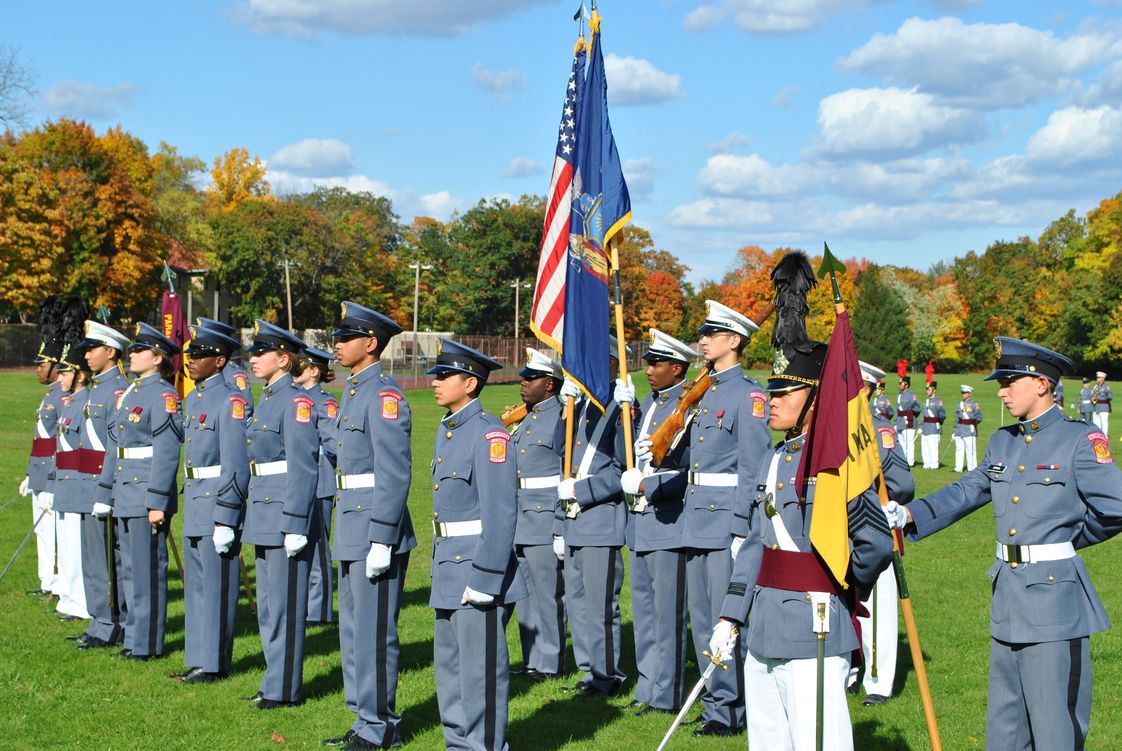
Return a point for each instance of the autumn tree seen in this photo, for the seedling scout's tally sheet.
(236, 178)
(652, 294)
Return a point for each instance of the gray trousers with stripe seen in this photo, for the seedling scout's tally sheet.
(593, 580)
(1039, 696)
(541, 616)
(144, 558)
(282, 604)
(210, 594)
(95, 579)
(658, 608)
(708, 573)
(368, 612)
(472, 676)
(320, 580)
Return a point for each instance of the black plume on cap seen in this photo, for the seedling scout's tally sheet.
(793, 280)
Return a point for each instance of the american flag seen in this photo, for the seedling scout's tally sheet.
(547, 316)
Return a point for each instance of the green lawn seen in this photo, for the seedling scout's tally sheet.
(56, 696)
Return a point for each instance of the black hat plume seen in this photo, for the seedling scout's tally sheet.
(793, 279)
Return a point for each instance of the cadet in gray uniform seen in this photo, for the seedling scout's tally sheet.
(1055, 489)
(882, 405)
(728, 438)
(234, 373)
(931, 429)
(541, 616)
(1058, 393)
(373, 530)
(101, 349)
(475, 577)
(1085, 407)
(778, 581)
(140, 486)
(283, 447)
(967, 418)
(907, 410)
(317, 371)
(71, 494)
(658, 562)
(216, 470)
(591, 520)
(1101, 397)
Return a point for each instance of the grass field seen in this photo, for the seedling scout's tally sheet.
(56, 696)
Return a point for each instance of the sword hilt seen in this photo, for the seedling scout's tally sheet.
(716, 658)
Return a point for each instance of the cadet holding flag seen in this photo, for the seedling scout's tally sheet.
(475, 577)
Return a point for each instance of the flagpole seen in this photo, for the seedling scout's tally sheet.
(832, 265)
(621, 353)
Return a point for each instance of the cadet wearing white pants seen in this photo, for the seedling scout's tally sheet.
(967, 418)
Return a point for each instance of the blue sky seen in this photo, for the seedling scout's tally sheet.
(903, 132)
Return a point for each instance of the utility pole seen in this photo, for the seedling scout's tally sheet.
(518, 285)
(417, 267)
(288, 293)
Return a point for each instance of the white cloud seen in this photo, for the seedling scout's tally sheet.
(782, 98)
(980, 65)
(633, 80)
(721, 212)
(441, 205)
(752, 175)
(899, 182)
(306, 18)
(288, 183)
(500, 84)
(731, 142)
(1074, 136)
(769, 16)
(892, 123)
(521, 166)
(640, 176)
(954, 5)
(315, 157)
(87, 100)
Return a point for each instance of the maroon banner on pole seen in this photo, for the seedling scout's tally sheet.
(175, 328)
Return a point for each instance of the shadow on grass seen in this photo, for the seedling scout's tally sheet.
(872, 735)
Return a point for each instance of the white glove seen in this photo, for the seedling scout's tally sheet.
(377, 560)
(24, 490)
(723, 640)
(479, 599)
(46, 501)
(559, 547)
(102, 510)
(624, 392)
(567, 490)
(293, 544)
(631, 479)
(735, 547)
(570, 388)
(223, 538)
(897, 515)
(643, 453)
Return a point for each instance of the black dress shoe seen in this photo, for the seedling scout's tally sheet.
(77, 637)
(699, 720)
(202, 676)
(183, 676)
(140, 658)
(255, 698)
(360, 744)
(588, 689)
(264, 703)
(650, 710)
(92, 642)
(636, 704)
(342, 740)
(68, 618)
(853, 688)
(126, 652)
(37, 592)
(714, 728)
(873, 700)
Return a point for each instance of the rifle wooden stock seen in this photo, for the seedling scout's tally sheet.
(515, 414)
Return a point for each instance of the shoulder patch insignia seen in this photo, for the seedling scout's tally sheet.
(497, 450)
(887, 437)
(759, 404)
(171, 402)
(332, 408)
(1101, 447)
(241, 381)
(237, 407)
(389, 404)
(303, 409)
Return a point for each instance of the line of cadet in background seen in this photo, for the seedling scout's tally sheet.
(507, 526)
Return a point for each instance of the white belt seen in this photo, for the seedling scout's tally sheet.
(537, 483)
(268, 468)
(1052, 551)
(713, 479)
(202, 473)
(457, 529)
(351, 482)
(136, 452)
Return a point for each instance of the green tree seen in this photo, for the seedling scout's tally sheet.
(881, 326)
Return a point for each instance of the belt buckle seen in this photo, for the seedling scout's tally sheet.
(436, 529)
(1013, 555)
(253, 469)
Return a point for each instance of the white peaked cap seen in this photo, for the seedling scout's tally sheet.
(665, 347)
(870, 373)
(107, 335)
(1100, 374)
(613, 346)
(720, 317)
(538, 362)
(966, 389)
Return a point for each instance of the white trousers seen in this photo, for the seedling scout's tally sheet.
(44, 538)
(69, 586)
(908, 440)
(965, 448)
(929, 444)
(882, 608)
(781, 697)
(1102, 420)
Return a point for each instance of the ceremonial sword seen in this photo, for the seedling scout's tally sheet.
(714, 661)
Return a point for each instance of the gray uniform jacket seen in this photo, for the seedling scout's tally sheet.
(934, 413)
(882, 407)
(73, 491)
(659, 526)
(898, 478)
(907, 410)
(728, 437)
(602, 521)
(327, 421)
(283, 429)
(473, 481)
(373, 439)
(967, 418)
(41, 469)
(1101, 396)
(1085, 408)
(101, 411)
(142, 454)
(215, 416)
(535, 457)
(1050, 480)
(780, 624)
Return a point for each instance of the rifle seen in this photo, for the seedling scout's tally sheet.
(514, 414)
(669, 434)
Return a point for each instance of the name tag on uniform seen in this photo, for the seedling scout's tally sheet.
(761, 488)
(997, 469)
